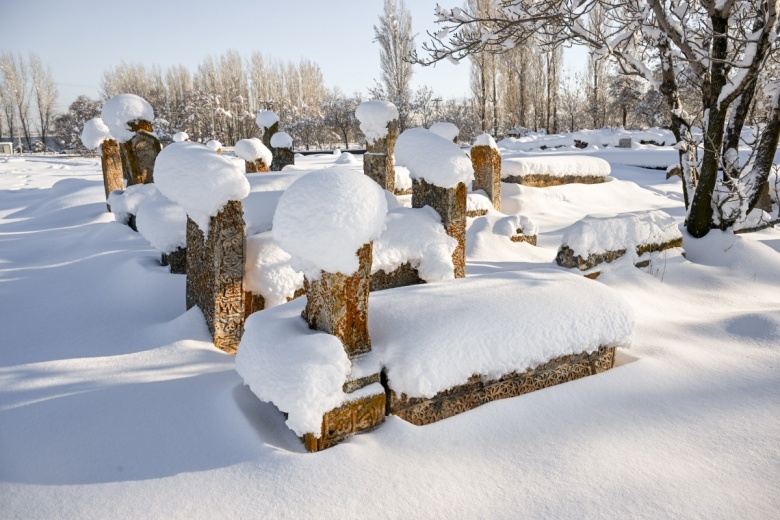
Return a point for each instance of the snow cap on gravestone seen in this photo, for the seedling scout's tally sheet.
(324, 217)
(94, 133)
(199, 180)
(281, 140)
(374, 117)
(123, 109)
(253, 149)
(266, 119)
(433, 158)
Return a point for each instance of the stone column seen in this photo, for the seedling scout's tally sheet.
(338, 304)
(378, 160)
(487, 173)
(140, 153)
(111, 162)
(215, 274)
(450, 203)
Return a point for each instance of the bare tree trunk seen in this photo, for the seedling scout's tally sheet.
(701, 211)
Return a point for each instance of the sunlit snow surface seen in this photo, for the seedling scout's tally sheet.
(115, 404)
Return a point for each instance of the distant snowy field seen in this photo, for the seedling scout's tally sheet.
(115, 404)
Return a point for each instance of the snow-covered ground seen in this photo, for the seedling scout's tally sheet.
(115, 404)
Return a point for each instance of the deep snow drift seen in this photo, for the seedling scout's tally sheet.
(115, 404)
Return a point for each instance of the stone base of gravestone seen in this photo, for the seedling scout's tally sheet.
(487, 173)
(282, 158)
(177, 260)
(111, 163)
(478, 390)
(402, 276)
(450, 204)
(140, 152)
(338, 304)
(567, 258)
(257, 166)
(538, 180)
(215, 274)
(354, 416)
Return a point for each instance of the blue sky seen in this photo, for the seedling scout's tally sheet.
(80, 39)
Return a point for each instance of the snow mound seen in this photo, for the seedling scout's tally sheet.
(373, 117)
(478, 201)
(129, 201)
(508, 226)
(123, 109)
(266, 119)
(593, 138)
(94, 133)
(445, 129)
(485, 140)
(253, 149)
(179, 137)
(345, 158)
(213, 144)
(299, 370)
(163, 224)
(597, 234)
(415, 235)
(428, 345)
(281, 140)
(433, 158)
(265, 191)
(324, 217)
(199, 180)
(556, 166)
(268, 270)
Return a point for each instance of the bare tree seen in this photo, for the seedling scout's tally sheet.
(724, 43)
(396, 44)
(15, 83)
(45, 94)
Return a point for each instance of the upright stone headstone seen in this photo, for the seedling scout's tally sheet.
(338, 304)
(440, 171)
(450, 204)
(141, 151)
(216, 232)
(268, 123)
(111, 163)
(486, 161)
(282, 146)
(624, 142)
(337, 254)
(129, 117)
(379, 123)
(215, 274)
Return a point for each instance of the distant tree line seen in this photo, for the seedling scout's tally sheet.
(28, 96)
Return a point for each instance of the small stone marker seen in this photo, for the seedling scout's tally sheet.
(96, 134)
(624, 142)
(268, 122)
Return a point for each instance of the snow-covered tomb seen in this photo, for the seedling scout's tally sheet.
(605, 238)
(336, 362)
(543, 171)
